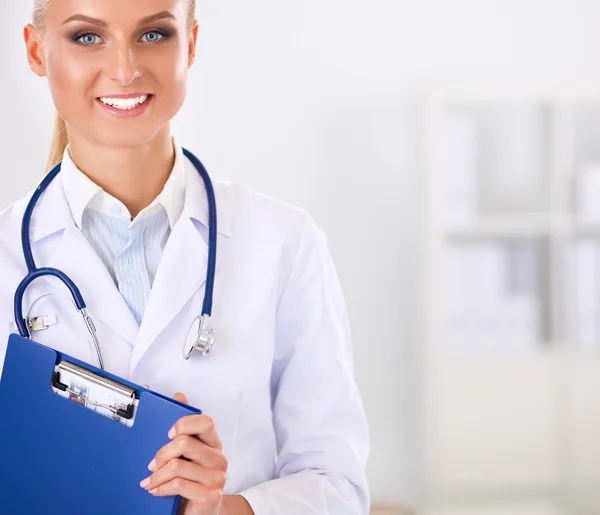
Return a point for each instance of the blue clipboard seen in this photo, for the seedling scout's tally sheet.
(60, 458)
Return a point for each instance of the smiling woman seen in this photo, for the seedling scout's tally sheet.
(73, 68)
(131, 218)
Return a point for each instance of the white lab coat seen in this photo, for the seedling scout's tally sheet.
(279, 384)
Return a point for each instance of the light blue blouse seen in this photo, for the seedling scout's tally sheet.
(130, 250)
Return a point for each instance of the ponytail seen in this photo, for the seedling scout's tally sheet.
(59, 143)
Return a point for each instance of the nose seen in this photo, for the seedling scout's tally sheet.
(123, 67)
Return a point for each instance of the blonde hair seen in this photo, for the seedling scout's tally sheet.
(60, 138)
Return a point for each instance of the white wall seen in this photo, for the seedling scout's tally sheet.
(315, 102)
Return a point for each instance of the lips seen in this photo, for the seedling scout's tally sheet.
(125, 106)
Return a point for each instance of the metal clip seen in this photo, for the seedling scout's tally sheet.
(37, 324)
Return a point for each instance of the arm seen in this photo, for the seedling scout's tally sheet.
(235, 505)
(321, 431)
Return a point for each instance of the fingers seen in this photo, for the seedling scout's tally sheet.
(190, 490)
(180, 397)
(192, 449)
(176, 468)
(201, 426)
(200, 480)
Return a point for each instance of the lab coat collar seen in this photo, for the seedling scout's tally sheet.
(82, 193)
(196, 202)
(51, 214)
(57, 215)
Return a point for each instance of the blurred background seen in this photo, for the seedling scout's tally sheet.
(450, 152)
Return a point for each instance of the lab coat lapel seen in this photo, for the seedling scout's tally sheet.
(78, 259)
(75, 256)
(182, 270)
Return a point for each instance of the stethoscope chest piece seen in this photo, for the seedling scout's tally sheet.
(199, 338)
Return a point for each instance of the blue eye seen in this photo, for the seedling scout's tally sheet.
(152, 37)
(88, 39)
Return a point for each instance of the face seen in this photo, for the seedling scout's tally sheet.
(117, 71)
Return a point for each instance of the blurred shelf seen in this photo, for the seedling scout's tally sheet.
(501, 353)
(540, 431)
(503, 345)
(530, 507)
(515, 226)
(392, 509)
(522, 94)
(576, 501)
(583, 228)
(525, 226)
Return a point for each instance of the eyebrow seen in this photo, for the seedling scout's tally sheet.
(95, 21)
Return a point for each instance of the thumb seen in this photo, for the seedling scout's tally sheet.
(180, 397)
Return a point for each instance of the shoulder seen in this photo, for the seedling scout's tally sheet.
(248, 208)
(10, 228)
(243, 212)
(12, 264)
(271, 225)
(254, 203)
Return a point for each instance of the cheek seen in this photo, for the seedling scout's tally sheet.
(69, 80)
(171, 74)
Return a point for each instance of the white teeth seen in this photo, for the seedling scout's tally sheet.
(125, 104)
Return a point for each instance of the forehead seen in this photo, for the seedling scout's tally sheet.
(114, 12)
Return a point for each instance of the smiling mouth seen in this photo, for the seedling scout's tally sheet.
(125, 104)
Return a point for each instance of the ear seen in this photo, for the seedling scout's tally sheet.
(33, 44)
(193, 37)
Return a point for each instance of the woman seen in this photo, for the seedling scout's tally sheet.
(284, 431)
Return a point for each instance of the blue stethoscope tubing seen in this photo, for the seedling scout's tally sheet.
(33, 272)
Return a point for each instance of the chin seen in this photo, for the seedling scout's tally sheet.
(130, 137)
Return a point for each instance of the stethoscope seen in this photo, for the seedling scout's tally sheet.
(199, 337)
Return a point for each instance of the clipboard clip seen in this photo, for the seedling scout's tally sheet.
(97, 382)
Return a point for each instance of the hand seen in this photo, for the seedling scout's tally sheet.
(201, 480)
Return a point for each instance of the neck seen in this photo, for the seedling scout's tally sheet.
(134, 175)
